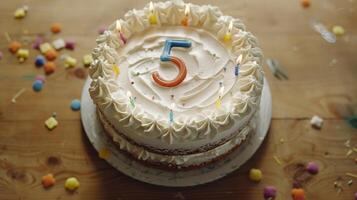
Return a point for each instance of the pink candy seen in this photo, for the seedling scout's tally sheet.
(312, 168)
(40, 78)
(269, 192)
(38, 41)
(101, 30)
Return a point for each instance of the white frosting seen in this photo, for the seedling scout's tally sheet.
(197, 122)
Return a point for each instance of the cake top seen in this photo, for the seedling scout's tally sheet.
(175, 66)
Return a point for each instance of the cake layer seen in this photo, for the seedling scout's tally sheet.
(141, 110)
(180, 161)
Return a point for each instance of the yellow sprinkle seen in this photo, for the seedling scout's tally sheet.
(351, 175)
(104, 153)
(116, 70)
(277, 160)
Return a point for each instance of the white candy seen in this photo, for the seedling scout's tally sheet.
(316, 121)
(59, 44)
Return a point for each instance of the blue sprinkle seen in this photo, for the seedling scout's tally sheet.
(40, 61)
(75, 105)
(37, 86)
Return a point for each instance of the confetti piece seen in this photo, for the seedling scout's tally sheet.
(14, 46)
(49, 68)
(269, 192)
(351, 175)
(277, 160)
(104, 153)
(70, 44)
(116, 70)
(39, 61)
(71, 184)
(316, 122)
(338, 30)
(87, 60)
(75, 105)
(58, 44)
(37, 86)
(305, 3)
(70, 62)
(51, 55)
(45, 47)
(298, 194)
(13, 100)
(48, 180)
(312, 168)
(56, 28)
(51, 123)
(255, 175)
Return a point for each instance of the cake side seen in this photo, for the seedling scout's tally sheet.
(187, 132)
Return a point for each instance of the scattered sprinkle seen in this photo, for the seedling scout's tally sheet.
(37, 86)
(56, 28)
(58, 44)
(338, 30)
(7, 37)
(76, 105)
(347, 143)
(324, 32)
(40, 78)
(20, 13)
(351, 175)
(87, 60)
(48, 180)
(255, 175)
(22, 54)
(305, 3)
(14, 46)
(316, 122)
(51, 54)
(349, 152)
(104, 153)
(277, 160)
(39, 61)
(71, 184)
(281, 140)
(70, 62)
(298, 194)
(350, 182)
(45, 47)
(269, 192)
(101, 30)
(51, 123)
(49, 68)
(312, 168)
(20, 92)
(70, 44)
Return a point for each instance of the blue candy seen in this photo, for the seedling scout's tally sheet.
(75, 105)
(40, 61)
(37, 86)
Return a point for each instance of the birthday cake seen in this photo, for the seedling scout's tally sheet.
(177, 85)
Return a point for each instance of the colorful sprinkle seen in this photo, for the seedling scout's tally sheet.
(255, 175)
(45, 47)
(87, 60)
(59, 44)
(22, 54)
(14, 46)
(104, 153)
(76, 105)
(71, 184)
(70, 62)
(37, 86)
(70, 44)
(48, 180)
(51, 55)
(20, 13)
(40, 78)
(56, 28)
(312, 168)
(38, 41)
(269, 192)
(277, 160)
(49, 68)
(338, 30)
(39, 61)
(298, 194)
(51, 123)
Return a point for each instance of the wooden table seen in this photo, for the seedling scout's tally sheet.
(322, 81)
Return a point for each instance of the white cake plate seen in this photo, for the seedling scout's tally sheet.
(214, 171)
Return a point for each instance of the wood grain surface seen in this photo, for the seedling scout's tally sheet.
(322, 81)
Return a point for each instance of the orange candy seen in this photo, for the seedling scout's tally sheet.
(298, 194)
(14, 46)
(51, 55)
(49, 68)
(48, 180)
(305, 3)
(56, 28)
